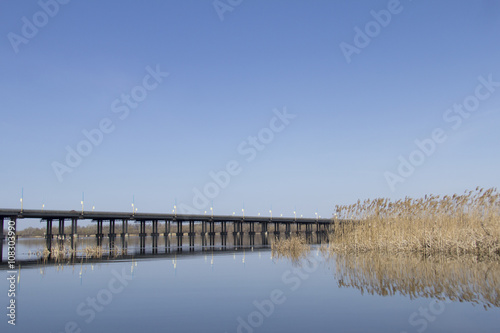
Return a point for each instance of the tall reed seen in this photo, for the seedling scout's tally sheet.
(458, 224)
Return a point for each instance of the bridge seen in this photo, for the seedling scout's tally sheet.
(210, 224)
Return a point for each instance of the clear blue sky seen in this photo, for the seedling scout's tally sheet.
(352, 120)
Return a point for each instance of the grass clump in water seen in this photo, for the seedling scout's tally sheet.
(294, 248)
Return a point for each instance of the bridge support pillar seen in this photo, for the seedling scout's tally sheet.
(179, 229)
(112, 233)
(276, 228)
(154, 236)
(203, 228)
(61, 229)
(124, 228)
(154, 227)
(211, 226)
(223, 227)
(252, 228)
(74, 228)
(191, 228)
(142, 228)
(167, 229)
(99, 235)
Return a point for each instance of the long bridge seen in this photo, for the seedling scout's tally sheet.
(253, 224)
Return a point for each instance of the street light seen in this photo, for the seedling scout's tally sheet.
(22, 196)
(295, 214)
(316, 215)
(271, 211)
(243, 211)
(93, 207)
(43, 206)
(212, 211)
(175, 208)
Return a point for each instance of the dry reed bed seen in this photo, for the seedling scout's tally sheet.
(464, 279)
(458, 224)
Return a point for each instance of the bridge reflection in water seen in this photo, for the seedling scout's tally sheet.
(212, 228)
(126, 247)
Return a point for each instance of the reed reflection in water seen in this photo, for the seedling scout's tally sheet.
(463, 279)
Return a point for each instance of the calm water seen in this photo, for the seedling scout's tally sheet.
(244, 290)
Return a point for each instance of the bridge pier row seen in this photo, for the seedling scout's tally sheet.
(298, 228)
(223, 227)
(288, 228)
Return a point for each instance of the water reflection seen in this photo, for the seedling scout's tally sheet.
(32, 251)
(463, 279)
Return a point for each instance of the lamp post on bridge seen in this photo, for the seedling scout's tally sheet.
(83, 199)
(22, 196)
